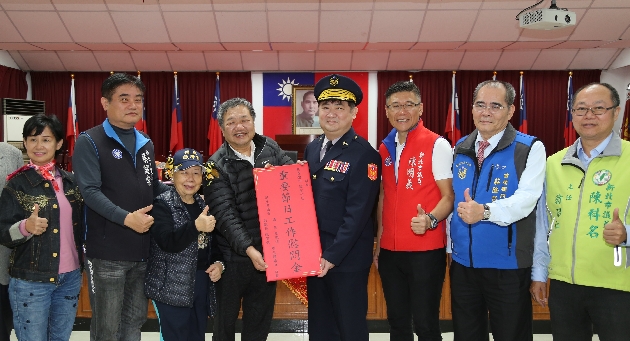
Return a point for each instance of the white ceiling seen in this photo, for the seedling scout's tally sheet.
(305, 35)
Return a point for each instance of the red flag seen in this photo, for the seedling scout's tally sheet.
(72, 126)
(142, 124)
(214, 131)
(569, 130)
(625, 121)
(452, 129)
(177, 133)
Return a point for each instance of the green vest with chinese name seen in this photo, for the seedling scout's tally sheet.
(580, 203)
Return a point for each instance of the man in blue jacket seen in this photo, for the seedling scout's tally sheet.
(500, 175)
(115, 169)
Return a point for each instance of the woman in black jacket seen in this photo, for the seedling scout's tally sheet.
(184, 261)
(41, 220)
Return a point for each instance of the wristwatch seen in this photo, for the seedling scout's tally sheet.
(486, 212)
(434, 221)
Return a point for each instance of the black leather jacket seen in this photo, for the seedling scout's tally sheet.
(36, 258)
(230, 193)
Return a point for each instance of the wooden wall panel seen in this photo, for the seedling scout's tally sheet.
(290, 307)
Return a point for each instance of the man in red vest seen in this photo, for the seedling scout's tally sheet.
(416, 196)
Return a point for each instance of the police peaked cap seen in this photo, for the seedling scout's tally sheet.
(338, 87)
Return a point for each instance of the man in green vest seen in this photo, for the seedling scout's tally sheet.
(587, 198)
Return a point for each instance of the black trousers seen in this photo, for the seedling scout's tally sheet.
(337, 306)
(6, 316)
(501, 294)
(242, 282)
(186, 323)
(412, 285)
(576, 308)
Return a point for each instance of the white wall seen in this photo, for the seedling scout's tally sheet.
(619, 78)
(7, 60)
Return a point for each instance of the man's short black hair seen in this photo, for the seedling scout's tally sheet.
(614, 95)
(37, 123)
(402, 86)
(117, 79)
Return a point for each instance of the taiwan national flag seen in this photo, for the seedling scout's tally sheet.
(523, 120)
(214, 131)
(142, 124)
(452, 129)
(277, 100)
(177, 134)
(569, 130)
(72, 126)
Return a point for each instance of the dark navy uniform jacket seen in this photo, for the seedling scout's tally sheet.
(345, 184)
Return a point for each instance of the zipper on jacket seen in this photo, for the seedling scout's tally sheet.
(489, 177)
(474, 188)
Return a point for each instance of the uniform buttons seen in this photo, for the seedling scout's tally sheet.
(46, 185)
(54, 254)
(332, 178)
(55, 231)
(314, 176)
(52, 279)
(54, 205)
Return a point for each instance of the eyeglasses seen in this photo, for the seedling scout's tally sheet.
(597, 111)
(398, 107)
(493, 108)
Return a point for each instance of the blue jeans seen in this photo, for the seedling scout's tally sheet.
(119, 306)
(45, 311)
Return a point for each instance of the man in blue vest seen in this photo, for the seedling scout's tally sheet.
(500, 174)
(115, 169)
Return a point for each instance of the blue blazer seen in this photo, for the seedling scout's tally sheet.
(346, 185)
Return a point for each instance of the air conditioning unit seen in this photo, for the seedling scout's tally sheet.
(15, 112)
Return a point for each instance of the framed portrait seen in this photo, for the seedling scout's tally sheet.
(305, 119)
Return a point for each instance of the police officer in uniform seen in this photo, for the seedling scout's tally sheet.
(345, 176)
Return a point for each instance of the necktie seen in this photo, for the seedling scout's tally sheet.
(325, 150)
(482, 148)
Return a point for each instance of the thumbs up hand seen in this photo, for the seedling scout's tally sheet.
(205, 222)
(420, 223)
(615, 231)
(469, 210)
(139, 220)
(34, 224)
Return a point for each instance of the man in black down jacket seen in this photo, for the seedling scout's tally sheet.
(230, 194)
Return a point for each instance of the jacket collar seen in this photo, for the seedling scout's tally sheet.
(390, 140)
(612, 149)
(337, 149)
(35, 178)
(259, 142)
(467, 146)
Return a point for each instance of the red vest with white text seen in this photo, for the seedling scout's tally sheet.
(416, 185)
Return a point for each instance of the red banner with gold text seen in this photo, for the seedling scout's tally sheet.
(288, 224)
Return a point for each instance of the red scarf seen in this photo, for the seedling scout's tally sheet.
(47, 172)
